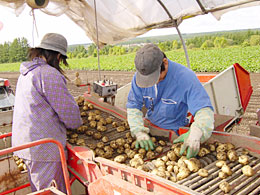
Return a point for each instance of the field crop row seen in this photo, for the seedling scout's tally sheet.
(213, 60)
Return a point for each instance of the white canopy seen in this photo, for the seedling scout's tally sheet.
(120, 20)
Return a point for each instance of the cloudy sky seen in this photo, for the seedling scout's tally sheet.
(22, 26)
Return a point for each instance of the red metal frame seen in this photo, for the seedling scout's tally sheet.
(38, 142)
(244, 84)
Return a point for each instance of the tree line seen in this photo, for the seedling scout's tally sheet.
(17, 50)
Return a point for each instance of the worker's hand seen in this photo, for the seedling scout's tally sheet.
(191, 140)
(144, 140)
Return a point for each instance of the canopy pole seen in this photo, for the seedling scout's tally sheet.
(184, 47)
(179, 33)
(99, 76)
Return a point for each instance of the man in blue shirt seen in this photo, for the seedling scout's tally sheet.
(169, 91)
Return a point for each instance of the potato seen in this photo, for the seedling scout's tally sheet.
(21, 166)
(92, 146)
(105, 139)
(183, 173)
(232, 155)
(153, 139)
(99, 152)
(159, 149)
(72, 140)
(203, 151)
(127, 146)
(193, 164)
(133, 145)
(120, 129)
(169, 168)
(125, 124)
(130, 154)
(143, 167)
(97, 112)
(203, 173)
(165, 158)
(93, 124)
(142, 151)
(221, 156)
(222, 148)
(97, 135)
(220, 163)
(103, 121)
(108, 148)
(162, 143)
(98, 117)
(171, 155)
(128, 135)
(225, 187)
(159, 163)
(161, 174)
(138, 156)
(212, 147)
(173, 178)
(120, 158)
(171, 163)
(113, 144)
(120, 141)
(15, 158)
(230, 146)
(247, 171)
(120, 150)
(91, 107)
(80, 142)
(114, 124)
(222, 175)
(150, 155)
(82, 114)
(82, 129)
(176, 169)
(129, 140)
(74, 135)
(85, 108)
(162, 168)
(243, 159)
(109, 120)
(101, 128)
(135, 162)
(181, 162)
(89, 133)
(226, 169)
(108, 154)
(100, 145)
(177, 150)
(92, 118)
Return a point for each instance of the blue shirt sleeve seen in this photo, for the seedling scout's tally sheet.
(197, 97)
(135, 97)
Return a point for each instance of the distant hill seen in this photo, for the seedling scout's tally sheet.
(162, 38)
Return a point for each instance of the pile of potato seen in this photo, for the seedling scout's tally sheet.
(169, 165)
(20, 164)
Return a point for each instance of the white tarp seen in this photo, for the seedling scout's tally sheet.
(120, 20)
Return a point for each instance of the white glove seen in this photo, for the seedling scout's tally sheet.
(191, 140)
(144, 140)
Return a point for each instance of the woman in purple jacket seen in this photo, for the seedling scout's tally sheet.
(44, 108)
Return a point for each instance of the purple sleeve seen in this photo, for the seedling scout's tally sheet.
(60, 99)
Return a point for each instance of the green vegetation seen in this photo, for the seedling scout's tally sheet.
(210, 60)
(208, 52)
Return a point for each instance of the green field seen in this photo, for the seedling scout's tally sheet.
(213, 60)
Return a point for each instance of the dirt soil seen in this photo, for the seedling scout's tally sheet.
(124, 77)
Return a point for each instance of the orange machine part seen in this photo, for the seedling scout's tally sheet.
(110, 184)
(244, 85)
